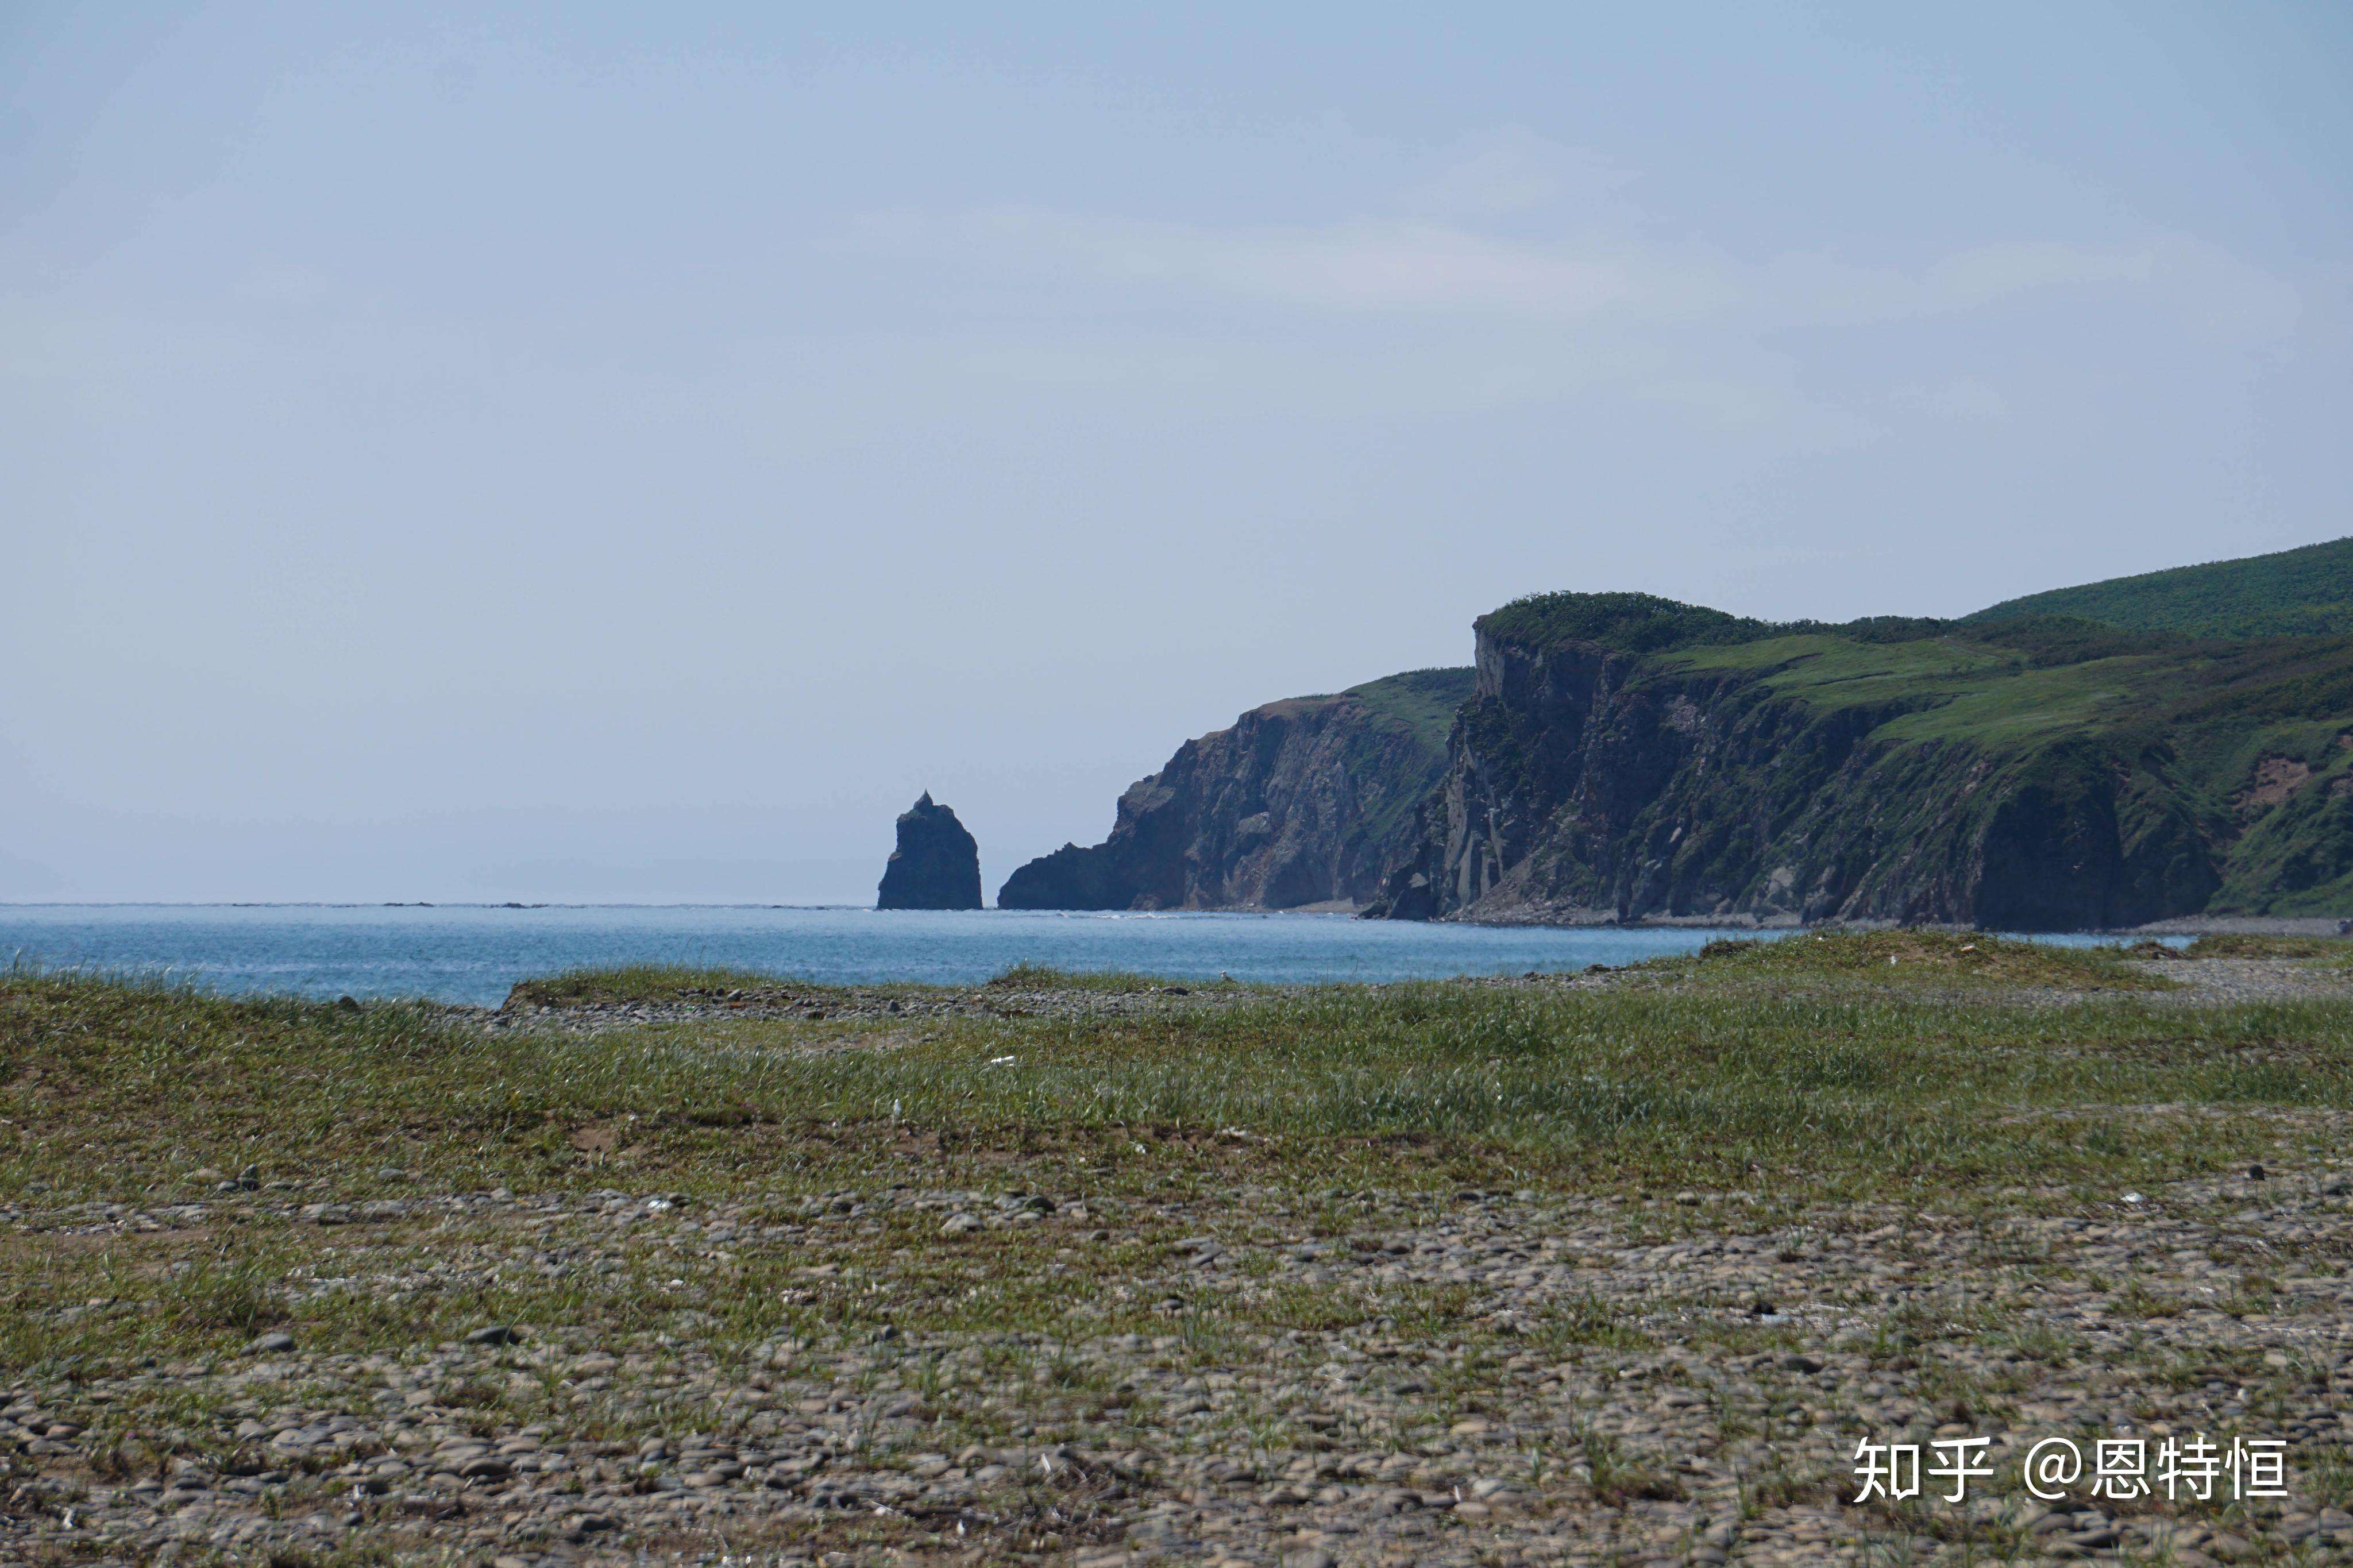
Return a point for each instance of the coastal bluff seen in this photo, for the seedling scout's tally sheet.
(1628, 758)
(2170, 746)
(936, 865)
(1301, 804)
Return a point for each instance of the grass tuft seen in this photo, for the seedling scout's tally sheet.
(642, 982)
(1917, 958)
(1044, 977)
(2246, 946)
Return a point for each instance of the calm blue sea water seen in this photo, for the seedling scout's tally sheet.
(473, 953)
(467, 953)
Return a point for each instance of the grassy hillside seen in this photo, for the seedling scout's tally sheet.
(2245, 738)
(1424, 701)
(1419, 706)
(2296, 593)
(2217, 771)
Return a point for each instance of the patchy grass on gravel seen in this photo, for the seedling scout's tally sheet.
(667, 984)
(2243, 945)
(124, 1090)
(1917, 958)
(659, 982)
(1643, 1255)
(1044, 977)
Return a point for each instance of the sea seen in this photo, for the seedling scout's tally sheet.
(473, 953)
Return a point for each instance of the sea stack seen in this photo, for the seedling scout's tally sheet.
(936, 865)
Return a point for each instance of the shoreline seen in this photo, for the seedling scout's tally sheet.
(2177, 925)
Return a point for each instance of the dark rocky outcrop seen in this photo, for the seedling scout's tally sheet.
(1646, 759)
(1302, 803)
(1616, 757)
(936, 865)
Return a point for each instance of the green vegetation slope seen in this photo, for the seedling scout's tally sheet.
(2294, 592)
(1631, 757)
(1307, 801)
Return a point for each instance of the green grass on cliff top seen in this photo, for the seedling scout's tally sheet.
(1424, 701)
(2306, 592)
(1632, 622)
(2016, 679)
(1963, 690)
(2008, 684)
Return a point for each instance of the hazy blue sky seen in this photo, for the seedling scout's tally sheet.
(570, 452)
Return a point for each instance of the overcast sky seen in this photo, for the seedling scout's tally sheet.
(572, 452)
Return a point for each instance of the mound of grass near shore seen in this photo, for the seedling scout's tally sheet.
(1045, 977)
(646, 982)
(2243, 945)
(1918, 958)
(124, 1089)
(664, 984)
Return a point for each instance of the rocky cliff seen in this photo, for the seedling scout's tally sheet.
(1625, 758)
(1301, 802)
(936, 865)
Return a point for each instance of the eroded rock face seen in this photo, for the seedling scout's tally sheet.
(936, 865)
(1590, 784)
(1301, 802)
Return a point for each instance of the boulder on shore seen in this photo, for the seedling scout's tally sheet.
(936, 865)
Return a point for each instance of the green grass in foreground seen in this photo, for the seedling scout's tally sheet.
(126, 1091)
(1044, 977)
(644, 983)
(1917, 958)
(1830, 1088)
(657, 982)
(2234, 945)
(1921, 958)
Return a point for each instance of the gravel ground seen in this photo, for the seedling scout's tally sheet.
(904, 1005)
(2206, 980)
(2248, 925)
(785, 1002)
(1288, 1372)
(1668, 1379)
(2249, 979)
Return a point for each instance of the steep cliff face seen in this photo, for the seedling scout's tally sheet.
(1626, 758)
(1304, 802)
